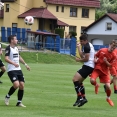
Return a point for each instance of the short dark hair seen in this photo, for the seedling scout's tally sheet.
(114, 42)
(83, 37)
(11, 37)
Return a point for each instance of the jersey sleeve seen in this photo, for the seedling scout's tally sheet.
(86, 49)
(7, 51)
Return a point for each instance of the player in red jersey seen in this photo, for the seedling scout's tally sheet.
(113, 72)
(104, 59)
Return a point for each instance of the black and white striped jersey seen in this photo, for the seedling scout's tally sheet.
(88, 48)
(13, 54)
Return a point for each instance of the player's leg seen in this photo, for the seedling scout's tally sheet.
(77, 79)
(79, 87)
(3, 69)
(114, 81)
(12, 89)
(93, 77)
(20, 91)
(108, 93)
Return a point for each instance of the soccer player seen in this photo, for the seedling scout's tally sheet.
(15, 74)
(104, 59)
(87, 56)
(2, 66)
(113, 72)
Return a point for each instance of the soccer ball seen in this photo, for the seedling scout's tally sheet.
(29, 20)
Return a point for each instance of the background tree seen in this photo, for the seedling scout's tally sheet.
(106, 6)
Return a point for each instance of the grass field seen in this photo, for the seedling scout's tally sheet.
(49, 92)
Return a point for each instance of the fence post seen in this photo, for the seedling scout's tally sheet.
(14, 31)
(23, 34)
(73, 46)
(3, 34)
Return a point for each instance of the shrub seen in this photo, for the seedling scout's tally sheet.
(60, 32)
(73, 34)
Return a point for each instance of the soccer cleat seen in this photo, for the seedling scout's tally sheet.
(115, 91)
(110, 102)
(105, 88)
(96, 89)
(20, 105)
(1, 82)
(77, 101)
(82, 102)
(6, 101)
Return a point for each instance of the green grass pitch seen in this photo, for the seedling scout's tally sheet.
(49, 92)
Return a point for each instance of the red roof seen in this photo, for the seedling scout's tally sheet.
(1, 13)
(38, 13)
(60, 23)
(113, 16)
(86, 3)
(110, 15)
(41, 33)
(41, 13)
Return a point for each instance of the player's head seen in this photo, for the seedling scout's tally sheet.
(12, 39)
(112, 45)
(83, 39)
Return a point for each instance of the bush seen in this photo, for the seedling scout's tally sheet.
(60, 32)
(73, 34)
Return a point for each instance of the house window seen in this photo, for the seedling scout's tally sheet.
(85, 13)
(7, 7)
(108, 26)
(14, 25)
(72, 28)
(57, 8)
(73, 12)
(62, 9)
(82, 28)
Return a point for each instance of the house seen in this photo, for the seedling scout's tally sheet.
(72, 15)
(102, 31)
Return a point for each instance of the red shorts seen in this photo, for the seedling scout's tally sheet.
(103, 78)
(113, 71)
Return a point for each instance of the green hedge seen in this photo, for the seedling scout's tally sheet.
(73, 34)
(60, 32)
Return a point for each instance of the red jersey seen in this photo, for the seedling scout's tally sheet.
(101, 65)
(114, 64)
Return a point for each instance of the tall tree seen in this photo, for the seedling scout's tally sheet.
(106, 6)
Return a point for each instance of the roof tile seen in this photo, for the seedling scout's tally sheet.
(86, 3)
(38, 13)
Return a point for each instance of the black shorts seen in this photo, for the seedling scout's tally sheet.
(1, 64)
(16, 75)
(85, 71)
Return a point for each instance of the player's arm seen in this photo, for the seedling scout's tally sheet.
(79, 50)
(85, 59)
(1, 49)
(7, 53)
(107, 63)
(23, 62)
(86, 55)
(10, 62)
